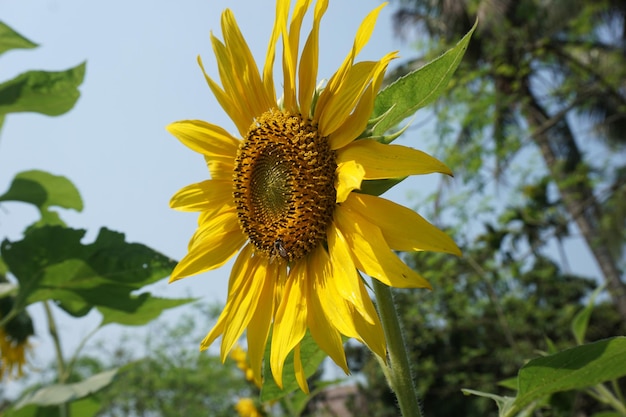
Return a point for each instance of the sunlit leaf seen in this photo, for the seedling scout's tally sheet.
(56, 394)
(46, 92)
(10, 39)
(576, 368)
(417, 89)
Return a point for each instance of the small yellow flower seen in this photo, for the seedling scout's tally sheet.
(246, 408)
(241, 359)
(12, 355)
(283, 199)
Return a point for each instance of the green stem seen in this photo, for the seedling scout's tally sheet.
(61, 366)
(398, 370)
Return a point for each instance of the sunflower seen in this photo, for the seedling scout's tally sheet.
(284, 199)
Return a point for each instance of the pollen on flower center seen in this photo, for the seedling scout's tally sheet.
(284, 185)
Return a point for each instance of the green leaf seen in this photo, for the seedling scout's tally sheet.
(46, 92)
(503, 402)
(57, 394)
(417, 89)
(576, 368)
(312, 357)
(43, 190)
(10, 39)
(85, 407)
(581, 320)
(51, 263)
(148, 310)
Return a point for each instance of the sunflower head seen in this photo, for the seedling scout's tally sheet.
(282, 196)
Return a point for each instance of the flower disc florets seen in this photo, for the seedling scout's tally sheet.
(284, 185)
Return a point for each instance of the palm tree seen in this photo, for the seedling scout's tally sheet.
(548, 64)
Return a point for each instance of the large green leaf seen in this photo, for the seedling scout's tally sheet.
(46, 92)
(417, 89)
(312, 357)
(572, 369)
(57, 394)
(576, 368)
(43, 190)
(51, 263)
(10, 39)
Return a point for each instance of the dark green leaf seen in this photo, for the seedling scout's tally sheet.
(576, 368)
(149, 309)
(51, 263)
(57, 394)
(312, 357)
(46, 92)
(581, 320)
(417, 89)
(43, 190)
(10, 39)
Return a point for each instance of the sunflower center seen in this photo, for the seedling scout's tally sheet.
(284, 185)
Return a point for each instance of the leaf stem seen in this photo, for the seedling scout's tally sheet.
(61, 366)
(398, 371)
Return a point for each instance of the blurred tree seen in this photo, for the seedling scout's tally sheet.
(174, 378)
(490, 312)
(550, 74)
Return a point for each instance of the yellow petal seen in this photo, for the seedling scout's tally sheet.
(206, 195)
(220, 169)
(211, 224)
(231, 107)
(309, 61)
(299, 370)
(402, 228)
(349, 177)
(245, 301)
(290, 320)
(206, 138)
(362, 37)
(259, 326)
(290, 55)
(356, 123)
(345, 276)
(323, 332)
(209, 253)
(371, 334)
(234, 284)
(280, 25)
(389, 161)
(371, 253)
(331, 300)
(341, 104)
(345, 316)
(245, 68)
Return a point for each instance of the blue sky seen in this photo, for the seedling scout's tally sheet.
(141, 75)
